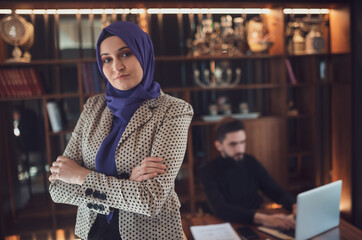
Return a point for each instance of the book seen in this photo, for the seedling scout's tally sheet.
(290, 71)
(96, 78)
(34, 81)
(54, 117)
(20, 82)
(87, 77)
(4, 88)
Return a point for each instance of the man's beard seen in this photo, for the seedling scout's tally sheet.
(237, 157)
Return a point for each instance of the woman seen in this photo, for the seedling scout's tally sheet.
(120, 165)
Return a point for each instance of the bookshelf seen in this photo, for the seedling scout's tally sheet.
(300, 151)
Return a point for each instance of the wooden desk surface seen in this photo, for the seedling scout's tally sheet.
(344, 231)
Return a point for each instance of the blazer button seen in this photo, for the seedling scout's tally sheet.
(88, 192)
(95, 207)
(124, 175)
(103, 196)
(96, 194)
(101, 207)
(89, 205)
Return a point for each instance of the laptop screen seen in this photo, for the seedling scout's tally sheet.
(318, 210)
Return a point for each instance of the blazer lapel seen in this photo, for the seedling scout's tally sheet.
(142, 115)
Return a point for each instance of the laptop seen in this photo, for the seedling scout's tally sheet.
(317, 212)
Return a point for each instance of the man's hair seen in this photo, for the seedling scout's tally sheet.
(227, 125)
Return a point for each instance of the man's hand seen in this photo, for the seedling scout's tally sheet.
(274, 220)
(295, 210)
(68, 170)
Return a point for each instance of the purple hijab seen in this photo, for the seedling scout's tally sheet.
(124, 104)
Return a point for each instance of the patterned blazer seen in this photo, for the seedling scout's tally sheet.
(148, 209)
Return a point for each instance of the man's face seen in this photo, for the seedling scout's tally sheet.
(233, 145)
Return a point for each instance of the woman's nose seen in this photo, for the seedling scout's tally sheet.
(118, 65)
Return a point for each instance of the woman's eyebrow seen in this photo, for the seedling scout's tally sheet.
(117, 50)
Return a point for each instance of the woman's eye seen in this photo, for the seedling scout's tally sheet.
(106, 60)
(126, 54)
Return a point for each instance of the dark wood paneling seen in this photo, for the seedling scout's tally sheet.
(262, 144)
(341, 144)
(357, 106)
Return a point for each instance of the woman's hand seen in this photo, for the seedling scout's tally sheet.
(67, 170)
(149, 168)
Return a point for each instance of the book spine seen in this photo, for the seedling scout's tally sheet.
(290, 71)
(54, 116)
(96, 78)
(26, 81)
(85, 79)
(10, 83)
(90, 79)
(4, 88)
(35, 80)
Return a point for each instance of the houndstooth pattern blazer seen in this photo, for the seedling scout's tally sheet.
(148, 209)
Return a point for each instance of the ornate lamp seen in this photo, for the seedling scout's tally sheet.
(16, 31)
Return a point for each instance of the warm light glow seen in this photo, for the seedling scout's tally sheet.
(23, 11)
(108, 11)
(137, 11)
(51, 11)
(5, 11)
(12, 237)
(85, 11)
(155, 11)
(67, 11)
(208, 11)
(273, 206)
(60, 234)
(39, 11)
(167, 11)
(305, 11)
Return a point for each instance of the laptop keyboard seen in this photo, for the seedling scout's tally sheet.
(289, 232)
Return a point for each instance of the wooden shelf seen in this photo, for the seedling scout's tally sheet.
(221, 57)
(49, 62)
(46, 96)
(175, 59)
(300, 116)
(300, 85)
(197, 121)
(157, 58)
(237, 87)
(318, 55)
(69, 130)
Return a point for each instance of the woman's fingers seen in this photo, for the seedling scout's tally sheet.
(149, 168)
(146, 177)
(155, 159)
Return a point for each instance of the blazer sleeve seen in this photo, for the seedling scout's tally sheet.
(62, 192)
(147, 197)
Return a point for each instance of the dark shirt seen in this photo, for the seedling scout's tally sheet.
(232, 188)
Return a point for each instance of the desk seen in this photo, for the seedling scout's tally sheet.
(344, 231)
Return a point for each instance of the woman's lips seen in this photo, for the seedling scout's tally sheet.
(120, 77)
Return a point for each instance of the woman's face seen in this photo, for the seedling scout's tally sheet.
(120, 65)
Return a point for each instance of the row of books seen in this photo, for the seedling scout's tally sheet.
(22, 82)
(92, 80)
